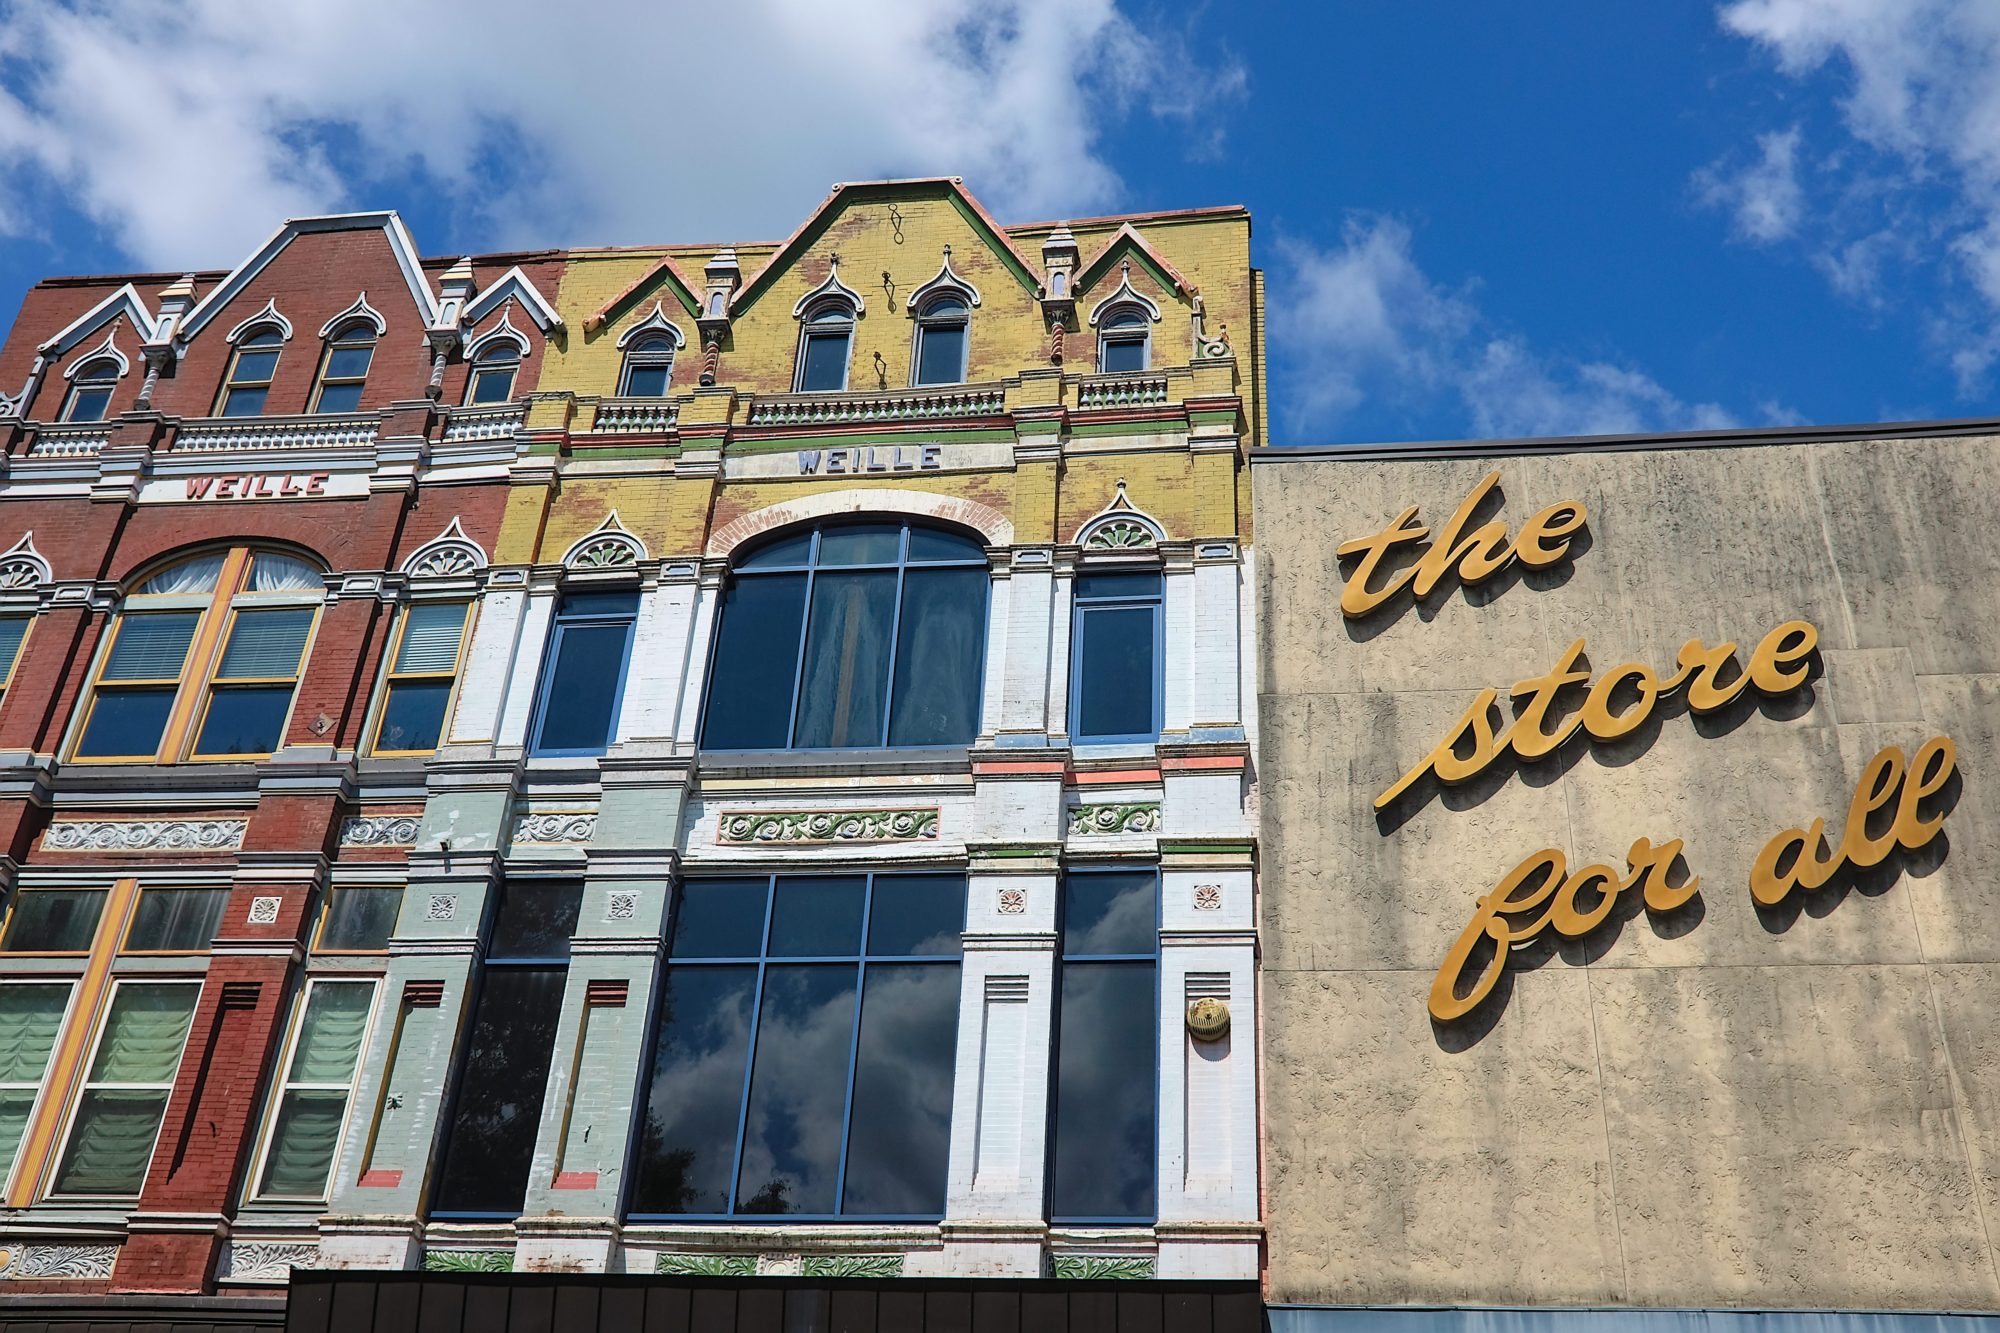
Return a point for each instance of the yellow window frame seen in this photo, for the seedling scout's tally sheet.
(229, 381)
(321, 379)
(213, 679)
(20, 649)
(125, 933)
(14, 904)
(392, 677)
(326, 913)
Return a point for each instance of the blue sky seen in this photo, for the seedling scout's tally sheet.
(1478, 218)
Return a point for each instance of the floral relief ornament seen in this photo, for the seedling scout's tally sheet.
(1125, 817)
(828, 826)
(146, 835)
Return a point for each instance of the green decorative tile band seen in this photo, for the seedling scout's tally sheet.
(1078, 1266)
(468, 1261)
(752, 826)
(852, 1265)
(1130, 817)
(706, 1265)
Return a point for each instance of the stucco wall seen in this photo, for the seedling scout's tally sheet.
(1726, 1105)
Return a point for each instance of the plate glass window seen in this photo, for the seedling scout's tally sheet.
(490, 1136)
(175, 920)
(53, 921)
(858, 635)
(124, 1095)
(31, 1016)
(90, 391)
(791, 1007)
(583, 680)
(251, 371)
(359, 919)
(312, 1101)
(1124, 341)
(1115, 657)
(493, 373)
(941, 340)
(345, 371)
(649, 367)
(1102, 1141)
(823, 348)
(422, 673)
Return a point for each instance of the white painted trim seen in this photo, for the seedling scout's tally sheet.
(23, 552)
(513, 284)
(124, 301)
(1120, 509)
(503, 330)
(832, 287)
(948, 279)
(270, 314)
(359, 310)
(1123, 294)
(453, 538)
(401, 246)
(107, 348)
(611, 529)
(657, 322)
(988, 522)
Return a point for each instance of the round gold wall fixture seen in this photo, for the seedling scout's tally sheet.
(1208, 1019)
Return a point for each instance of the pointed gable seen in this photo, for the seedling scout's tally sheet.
(402, 249)
(1127, 243)
(664, 275)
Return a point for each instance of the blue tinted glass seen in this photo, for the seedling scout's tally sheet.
(340, 397)
(88, 405)
(413, 717)
(813, 916)
(264, 337)
(844, 682)
(1097, 587)
(535, 919)
(181, 920)
(826, 363)
(783, 554)
(1123, 354)
(798, 1088)
(53, 921)
(860, 544)
(126, 722)
(493, 386)
(1103, 1157)
(361, 919)
(244, 402)
(582, 699)
(600, 604)
(928, 544)
(647, 381)
(720, 918)
(687, 1143)
(900, 1133)
(490, 1140)
(940, 654)
(254, 367)
(349, 363)
(245, 719)
(756, 662)
(1111, 912)
(941, 355)
(1117, 679)
(916, 915)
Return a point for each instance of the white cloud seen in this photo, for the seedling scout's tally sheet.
(1763, 198)
(1365, 327)
(188, 128)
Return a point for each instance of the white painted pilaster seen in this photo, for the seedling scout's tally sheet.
(1217, 656)
(1025, 691)
(1181, 645)
(656, 677)
(525, 677)
(993, 690)
(701, 633)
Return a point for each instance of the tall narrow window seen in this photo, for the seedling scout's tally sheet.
(493, 373)
(251, 371)
(490, 1138)
(311, 1105)
(1115, 657)
(124, 1096)
(13, 630)
(204, 655)
(1102, 1142)
(583, 680)
(1124, 341)
(649, 367)
(423, 670)
(823, 348)
(941, 340)
(90, 391)
(791, 1006)
(31, 1014)
(861, 635)
(345, 370)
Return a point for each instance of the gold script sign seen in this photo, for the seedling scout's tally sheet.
(1477, 555)
(1778, 664)
(1539, 882)
(1792, 860)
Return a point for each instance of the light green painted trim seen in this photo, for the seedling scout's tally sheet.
(706, 1265)
(468, 1261)
(1086, 1267)
(859, 439)
(851, 1265)
(1161, 426)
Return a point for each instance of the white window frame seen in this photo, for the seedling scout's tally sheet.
(850, 319)
(281, 1084)
(85, 1086)
(40, 1087)
(925, 321)
(1106, 335)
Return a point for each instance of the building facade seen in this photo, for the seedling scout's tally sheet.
(696, 761)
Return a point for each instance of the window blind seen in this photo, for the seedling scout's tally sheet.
(12, 630)
(431, 635)
(266, 643)
(151, 647)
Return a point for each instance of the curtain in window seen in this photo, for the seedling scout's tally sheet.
(192, 576)
(111, 1141)
(279, 573)
(307, 1132)
(30, 1018)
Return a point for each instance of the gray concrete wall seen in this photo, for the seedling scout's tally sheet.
(1726, 1106)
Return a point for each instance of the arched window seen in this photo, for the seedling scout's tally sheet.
(823, 348)
(90, 391)
(649, 367)
(203, 660)
(1124, 340)
(493, 373)
(345, 369)
(250, 373)
(941, 340)
(857, 635)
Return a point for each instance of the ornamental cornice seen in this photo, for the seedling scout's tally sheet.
(750, 827)
(380, 830)
(566, 828)
(145, 835)
(30, 1262)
